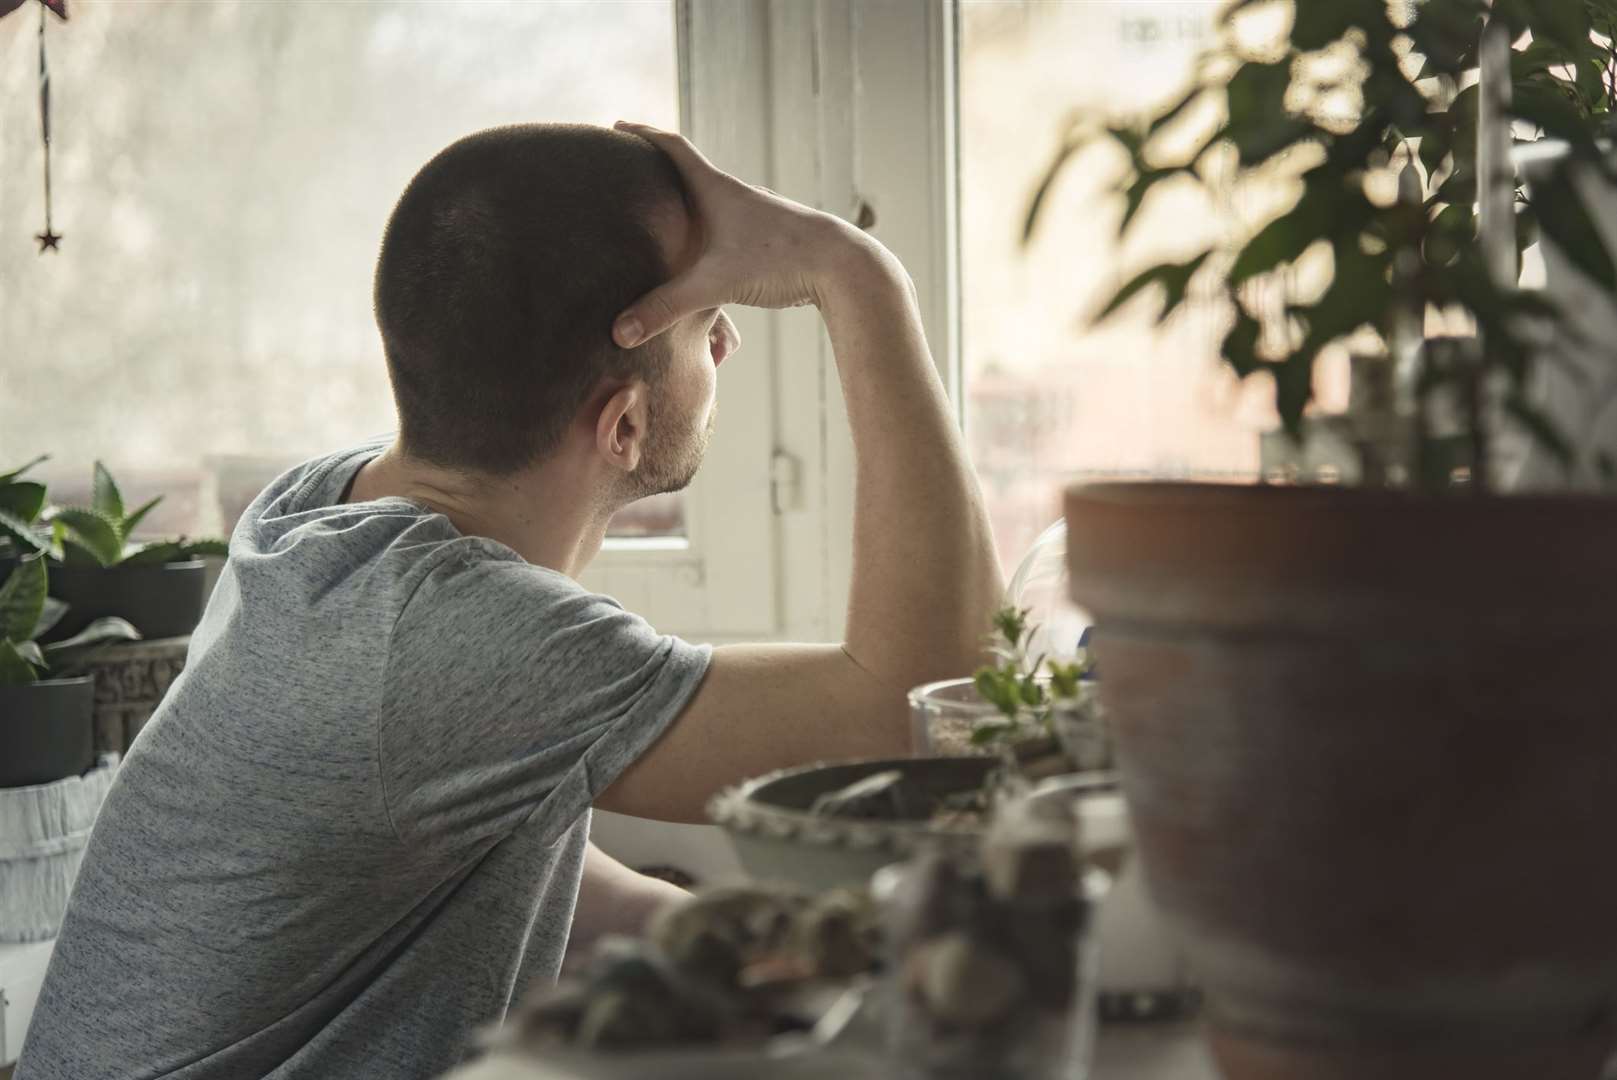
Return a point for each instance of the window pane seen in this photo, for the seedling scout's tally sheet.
(1050, 398)
(222, 174)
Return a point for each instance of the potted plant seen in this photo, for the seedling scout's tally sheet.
(156, 585)
(45, 703)
(1575, 385)
(1365, 735)
(21, 501)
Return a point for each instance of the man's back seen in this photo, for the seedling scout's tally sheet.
(354, 829)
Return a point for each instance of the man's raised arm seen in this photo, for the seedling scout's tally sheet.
(925, 576)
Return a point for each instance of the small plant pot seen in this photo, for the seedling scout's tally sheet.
(162, 601)
(46, 732)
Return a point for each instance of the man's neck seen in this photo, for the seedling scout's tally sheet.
(550, 514)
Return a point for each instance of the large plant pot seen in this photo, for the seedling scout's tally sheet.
(1370, 754)
(45, 731)
(162, 601)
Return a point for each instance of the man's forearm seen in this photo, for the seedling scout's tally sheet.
(612, 899)
(925, 575)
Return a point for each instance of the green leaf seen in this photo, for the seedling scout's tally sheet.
(1174, 111)
(984, 734)
(91, 533)
(165, 551)
(139, 515)
(1460, 187)
(104, 631)
(1173, 277)
(22, 499)
(1454, 226)
(1258, 89)
(1543, 430)
(198, 549)
(15, 670)
(1285, 238)
(22, 534)
(30, 651)
(7, 478)
(50, 616)
(1565, 22)
(1318, 24)
(1435, 144)
(1294, 389)
(1445, 32)
(1140, 188)
(1564, 219)
(1256, 143)
(1550, 110)
(22, 600)
(1240, 348)
(105, 498)
(1042, 191)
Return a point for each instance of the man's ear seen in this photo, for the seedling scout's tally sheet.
(621, 426)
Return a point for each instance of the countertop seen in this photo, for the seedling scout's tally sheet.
(1159, 1051)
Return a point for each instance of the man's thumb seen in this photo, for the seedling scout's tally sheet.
(655, 312)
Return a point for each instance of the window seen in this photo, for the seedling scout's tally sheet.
(223, 172)
(1048, 397)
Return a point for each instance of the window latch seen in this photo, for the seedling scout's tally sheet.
(785, 481)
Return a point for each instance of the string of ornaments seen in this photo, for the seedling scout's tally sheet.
(49, 239)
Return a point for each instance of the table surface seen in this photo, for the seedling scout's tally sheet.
(1152, 1051)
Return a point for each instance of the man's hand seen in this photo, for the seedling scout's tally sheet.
(755, 247)
(925, 575)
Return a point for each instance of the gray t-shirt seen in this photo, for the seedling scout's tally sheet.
(353, 831)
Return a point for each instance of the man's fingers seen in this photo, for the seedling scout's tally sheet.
(686, 157)
(659, 309)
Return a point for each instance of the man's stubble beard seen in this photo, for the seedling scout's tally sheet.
(674, 455)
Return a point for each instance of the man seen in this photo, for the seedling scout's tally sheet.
(358, 825)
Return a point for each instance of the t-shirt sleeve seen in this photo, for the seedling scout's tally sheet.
(512, 693)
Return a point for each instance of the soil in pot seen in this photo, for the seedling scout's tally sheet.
(162, 601)
(1370, 758)
(46, 732)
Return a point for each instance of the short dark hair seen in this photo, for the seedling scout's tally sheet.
(502, 267)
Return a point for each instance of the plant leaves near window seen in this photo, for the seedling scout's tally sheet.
(22, 534)
(1564, 219)
(22, 600)
(133, 520)
(48, 618)
(1318, 24)
(1042, 192)
(15, 473)
(164, 551)
(15, 670)
(1548, 108)
(1544, 430)
(1173, 277)
(22, 499)
(105, 499)
(84, 530)
(69, 656)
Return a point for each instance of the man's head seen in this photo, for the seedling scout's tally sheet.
(502, 268)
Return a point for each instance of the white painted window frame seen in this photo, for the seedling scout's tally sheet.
(844, 105)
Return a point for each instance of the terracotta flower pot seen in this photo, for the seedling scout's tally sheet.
(1369, 744)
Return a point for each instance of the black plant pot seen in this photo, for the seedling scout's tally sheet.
(46, 731)
(162, 601)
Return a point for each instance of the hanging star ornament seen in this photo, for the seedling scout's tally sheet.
(49, 239)
(8, 6)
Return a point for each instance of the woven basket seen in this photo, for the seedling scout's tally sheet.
(130, 680)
